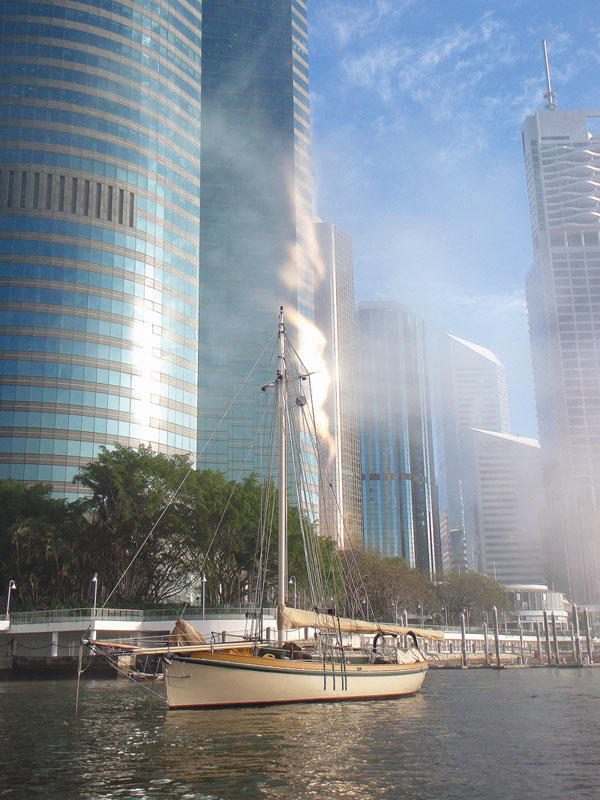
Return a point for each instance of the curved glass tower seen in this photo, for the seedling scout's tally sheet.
(99, 231)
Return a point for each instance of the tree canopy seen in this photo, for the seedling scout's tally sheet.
(150, 526)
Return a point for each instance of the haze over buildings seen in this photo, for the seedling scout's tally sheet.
(562, 161)
(471, 393)
(341, 503)
(396, 435)
(502, 490)
(155, 186)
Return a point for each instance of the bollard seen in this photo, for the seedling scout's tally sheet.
(223, 636)
(268, 634)
(496, 635)
(577, 652)
(547, 634)
(523, 660)
(588, 635)
(555, 639)
(486, 654)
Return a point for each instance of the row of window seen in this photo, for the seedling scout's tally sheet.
(112, 149)
(59, 116)
(84, 424)
(78, 397)
(64, 447)
(76, 372)
(88, 323)
(38, 190)
(107, 170)
(60, 227)
(140, 99)
(86, 277)
(99, 302)
(98, 424)
(30, 29)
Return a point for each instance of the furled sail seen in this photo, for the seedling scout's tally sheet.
(297, 618)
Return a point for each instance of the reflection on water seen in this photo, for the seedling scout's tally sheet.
(476, 734)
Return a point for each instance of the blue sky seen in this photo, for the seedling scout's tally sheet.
(417, 107)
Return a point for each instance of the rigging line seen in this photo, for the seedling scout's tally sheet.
(185, 477)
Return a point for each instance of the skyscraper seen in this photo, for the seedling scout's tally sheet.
(472, 393)
(562, 161)
(396, 438)
(256, 215)
(341, 504)
(154, 185)
(99, 235)
(502, 493)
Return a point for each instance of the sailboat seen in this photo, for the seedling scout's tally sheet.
(339, 658)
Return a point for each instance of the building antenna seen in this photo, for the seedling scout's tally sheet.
(549, 95)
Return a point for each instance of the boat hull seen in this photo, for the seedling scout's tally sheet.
(221, 680)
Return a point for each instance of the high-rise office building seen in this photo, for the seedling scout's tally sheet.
(562, 160)
(503, 498)
(99, 233)
(256, 215)
(396, 437)
(472, 393)
(154, 185)
(339, 448)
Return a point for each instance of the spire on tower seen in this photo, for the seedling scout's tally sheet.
(549, 95)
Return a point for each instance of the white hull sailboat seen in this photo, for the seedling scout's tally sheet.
(339, 659)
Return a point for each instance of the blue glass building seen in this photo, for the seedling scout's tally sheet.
(154, 192)
(256, 214)
(99, 231)
(396, 437)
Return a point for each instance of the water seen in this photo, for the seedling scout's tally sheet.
(476, 734)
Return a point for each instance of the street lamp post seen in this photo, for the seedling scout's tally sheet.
(11, 586)
(291, 581)
(203, 594)
(420, 610)
(445, 610)
(95, 582)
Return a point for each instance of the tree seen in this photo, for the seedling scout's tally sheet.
(473, 591)
(39, 544)
(138, 540)
(391, 586)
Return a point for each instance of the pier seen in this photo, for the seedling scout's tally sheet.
(47, 642)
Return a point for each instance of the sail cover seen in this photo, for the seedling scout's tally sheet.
(297, 618)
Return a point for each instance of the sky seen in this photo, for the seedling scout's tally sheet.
(416, 109)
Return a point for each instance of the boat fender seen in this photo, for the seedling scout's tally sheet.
(269, 655)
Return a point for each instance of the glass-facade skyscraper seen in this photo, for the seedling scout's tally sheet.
(339, 450)
(471, 393)
(99, 234)
(154, 180)
(396, 436)
(256, 210)
(562, 161)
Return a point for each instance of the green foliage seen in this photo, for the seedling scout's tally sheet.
(471, 590)
(38, 545)
(392, 586)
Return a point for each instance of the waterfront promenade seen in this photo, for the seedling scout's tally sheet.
(48, 641)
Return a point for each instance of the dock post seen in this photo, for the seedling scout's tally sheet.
(497, 635)
(539, 642)
(547, 634)
(555, 639)
(463, 637)
(577, 652)
(486, 654)
(588, 635)
(523, 661)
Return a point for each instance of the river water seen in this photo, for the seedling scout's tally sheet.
(469, 734)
